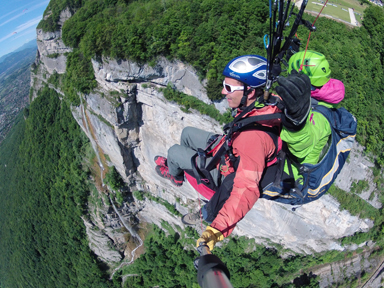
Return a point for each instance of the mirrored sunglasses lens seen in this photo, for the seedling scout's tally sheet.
(227, 87)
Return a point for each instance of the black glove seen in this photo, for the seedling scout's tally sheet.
(276, 69)
(295, 90)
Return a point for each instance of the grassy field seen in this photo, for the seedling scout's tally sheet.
(339, 12)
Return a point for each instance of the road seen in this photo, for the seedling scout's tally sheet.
(352, 16)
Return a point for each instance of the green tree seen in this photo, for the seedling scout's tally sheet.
(113, 179)
(79, 77)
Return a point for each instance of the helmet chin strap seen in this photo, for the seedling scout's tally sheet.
(243, 102)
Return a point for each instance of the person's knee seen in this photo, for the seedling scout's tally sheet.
(186, 133)
(173, 150)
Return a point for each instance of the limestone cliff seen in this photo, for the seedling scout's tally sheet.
(129, 121)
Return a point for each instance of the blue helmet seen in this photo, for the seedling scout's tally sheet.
(249, 69)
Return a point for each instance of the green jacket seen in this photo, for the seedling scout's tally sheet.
(308, 143)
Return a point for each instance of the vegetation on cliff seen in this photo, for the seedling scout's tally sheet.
(192, 102)
(166, 263)
(79, 77)
(50, 22)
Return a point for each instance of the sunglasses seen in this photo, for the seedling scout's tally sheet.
(231, 88)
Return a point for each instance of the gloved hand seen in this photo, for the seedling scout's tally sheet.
(211, 236)
(295, 90)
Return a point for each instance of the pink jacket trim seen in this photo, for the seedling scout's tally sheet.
(332, 92)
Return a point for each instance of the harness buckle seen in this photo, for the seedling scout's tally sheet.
(201, 153)
(296, 192)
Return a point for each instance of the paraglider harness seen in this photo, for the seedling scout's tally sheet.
(314, 179)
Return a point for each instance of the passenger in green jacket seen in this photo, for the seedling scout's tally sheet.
(309, 141)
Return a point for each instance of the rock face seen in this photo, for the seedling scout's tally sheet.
(110, 72)
(314, 227)
(51, 55)
(359, 168)
(100, 244)
(50, 44)
(130, 121)
(334, 273)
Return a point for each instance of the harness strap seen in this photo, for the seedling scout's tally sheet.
(237, 118)
(199, 174)
(275, 139)
(202, 156)
(216, 158)
(295, 184)
(280, 169)
(254, 120)
(239, 124)
(292, 179)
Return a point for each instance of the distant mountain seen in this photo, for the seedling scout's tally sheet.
(30, 44)
(2, 58)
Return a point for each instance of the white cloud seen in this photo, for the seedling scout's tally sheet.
(22, 27)
(9, 13)
(11, 19)
(26, 25)
(6, 37)
(45, 3)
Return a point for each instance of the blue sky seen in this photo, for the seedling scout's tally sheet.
(18, 21)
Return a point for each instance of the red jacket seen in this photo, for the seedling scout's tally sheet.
(255, 148)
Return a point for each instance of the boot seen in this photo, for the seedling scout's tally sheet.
(160, 161)
(191, 218)
(163, 171)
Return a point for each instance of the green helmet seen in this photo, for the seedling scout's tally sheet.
(315, 66)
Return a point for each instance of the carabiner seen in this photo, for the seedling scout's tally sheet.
(266, 36)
